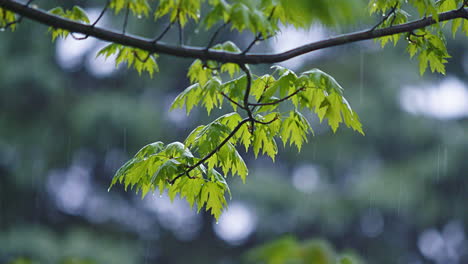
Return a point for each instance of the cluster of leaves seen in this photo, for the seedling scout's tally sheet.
(141, 60)
(190, 168)
(76, 13)
(7, 18)
(428, 43)
(156, 164)
(289, 250)
(137, 7)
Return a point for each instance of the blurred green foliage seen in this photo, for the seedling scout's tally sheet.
(408, 173)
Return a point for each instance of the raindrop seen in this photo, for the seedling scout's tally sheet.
(160, 196)
(361, 75)
(196, 31)
(2, 29)
(139, 16)
(438, 163)
(217, 222)
(34, 6)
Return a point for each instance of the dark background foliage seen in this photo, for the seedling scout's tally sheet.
(396, 195)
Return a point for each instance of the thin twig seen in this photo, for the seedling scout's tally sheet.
(103, 11)
(232, 101)
(209, 155)
(279, 100)
(215, 34)
(126, 19)
(262, 96)
(385, 18)
(259, 37)
(268, 122)
(158, 38)
(181, 36)
(140, 59)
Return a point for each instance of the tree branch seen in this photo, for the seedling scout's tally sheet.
(220, 56)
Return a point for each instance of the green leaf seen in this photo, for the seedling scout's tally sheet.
(137, 7)
(235, 89)
(319, 79)
(179, 10)
(141, 60)
(7, 18)
(294, 129)
(228, 46)
(263, 137)
(76, 14)
(199, 73)
(211, 94)
(220, 12)
(240, 17)
(189, 98)
(150, 149)
(212, 193)
(261, 85)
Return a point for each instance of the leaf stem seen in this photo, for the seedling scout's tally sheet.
(209, 155)
(279, 100)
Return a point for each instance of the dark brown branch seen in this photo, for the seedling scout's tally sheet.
(220, 56)
(209, 155)
(279, 100)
